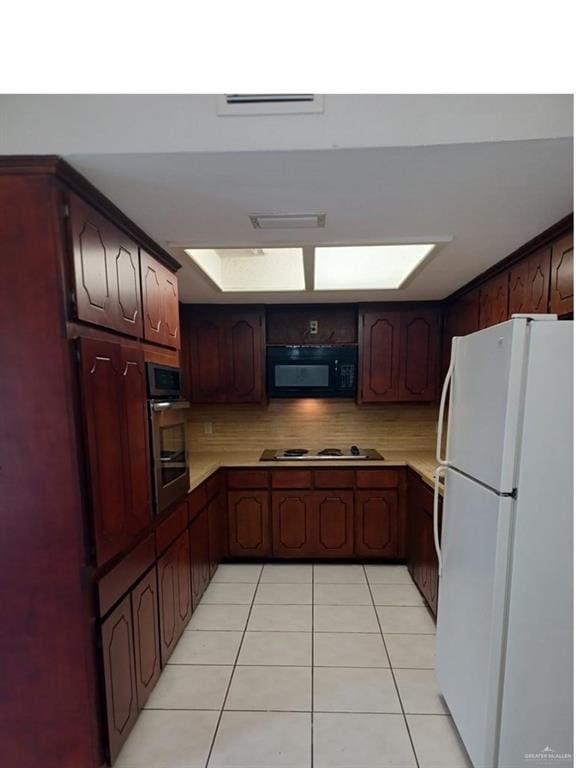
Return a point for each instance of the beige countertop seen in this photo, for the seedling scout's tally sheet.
(202, 465)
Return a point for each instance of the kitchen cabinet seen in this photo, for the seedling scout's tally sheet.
(105, 274)
(174, 594)
(399, 355)
(249, 524)
(562, 276)
(217, 531)
(530, 283)
(114, 405)
(199, 554)
(333, 523)
(292, 524)
(225, 355)
(159, 302)
(334, 324)
(144, 601)
(119, 675)
(460, 318)
(421, 552)
(494, 301)
(377, 523)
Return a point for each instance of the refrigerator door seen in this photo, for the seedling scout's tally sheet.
(485, 403)
(476, 536)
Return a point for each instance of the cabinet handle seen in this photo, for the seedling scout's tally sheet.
(437, 473)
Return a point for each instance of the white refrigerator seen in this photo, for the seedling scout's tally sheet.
(504, 633)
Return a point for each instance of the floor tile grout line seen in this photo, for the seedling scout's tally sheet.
(209, 756)
(393, 675)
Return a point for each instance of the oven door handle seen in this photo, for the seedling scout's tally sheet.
(166, 405)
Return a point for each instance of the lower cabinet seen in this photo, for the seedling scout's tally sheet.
(174, 594)
(421, 552)
(146, 639)
(119, 676)
(377, 523)
(249, 524)
(217, 530)
(292, 525)
(333, 523)
(199, 554)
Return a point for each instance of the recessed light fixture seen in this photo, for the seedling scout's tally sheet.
(367, 267)
(288, 220)
(251, 269)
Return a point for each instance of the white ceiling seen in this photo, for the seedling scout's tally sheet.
(481, 174)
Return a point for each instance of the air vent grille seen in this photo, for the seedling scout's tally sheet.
(269, 98)
(247, 104)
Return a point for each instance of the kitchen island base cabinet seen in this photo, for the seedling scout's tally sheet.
(249, 524)
(377, 523)
(174, 591)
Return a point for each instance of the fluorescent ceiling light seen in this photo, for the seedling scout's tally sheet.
(251, 269)
(367, 267)
(288, 221)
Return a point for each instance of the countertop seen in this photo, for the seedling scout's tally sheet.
(202, 465)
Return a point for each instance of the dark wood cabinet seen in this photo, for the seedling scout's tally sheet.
(333, 523)
(225, 355)
(249, 524)
(530, 283)
(159, 302)
(292, 524)
(114, 404)
(106, 274)
(217, 531)
(494, 301)
(119, 675)
(200, 554)
(145, 624)
(174, 594)
(460, 318)
(562, 276)
(421, 552)
(399, 355)
(335, 324)
(377, 523)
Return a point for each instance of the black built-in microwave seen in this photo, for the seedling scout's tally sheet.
(311, 371)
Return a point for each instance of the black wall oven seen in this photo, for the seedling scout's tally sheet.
(167, 410)
(311, 371)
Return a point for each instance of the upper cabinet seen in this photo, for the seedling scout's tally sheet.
(160, 302)
(530, 283)
(494, 301)
(399, 355)
(225, 355)
(106, 279)
(562, 276)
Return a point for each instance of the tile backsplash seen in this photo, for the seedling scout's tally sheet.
(312, 423)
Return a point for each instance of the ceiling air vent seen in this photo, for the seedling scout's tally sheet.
(288, 220)
(239, 104)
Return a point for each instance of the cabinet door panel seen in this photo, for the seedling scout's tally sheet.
(168, 602)
(199, 555)
(208, 360)
(170, 310)
(494, 301)
(249, 523)
(530, 283)
(152, 290)
(419, 353)
(120, 683)
(216, 530)
(184, 603)
(562, 276)
(135, 445)
(245, 345)
(377, 523)
(102, 390)
(146, 627)
(380, 357)
(292, 526)
(333, 523)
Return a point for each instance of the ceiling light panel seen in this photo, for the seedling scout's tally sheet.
(240, 270)
(364, 268)
(289, 221)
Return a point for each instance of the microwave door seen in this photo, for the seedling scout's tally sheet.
(303, 377)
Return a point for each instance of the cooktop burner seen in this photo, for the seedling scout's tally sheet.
(294, 454)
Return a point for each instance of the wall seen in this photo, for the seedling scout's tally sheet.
(309, 423)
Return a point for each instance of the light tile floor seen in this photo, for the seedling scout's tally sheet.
(300, 666)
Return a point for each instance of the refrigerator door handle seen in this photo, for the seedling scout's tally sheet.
(437, 473)
(445, 389)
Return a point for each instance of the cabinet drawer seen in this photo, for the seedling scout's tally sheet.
(256, 478)
(377, 478)
(291, 478)
(197, 500)
(119, 580)
(334, 478)
(169, 528)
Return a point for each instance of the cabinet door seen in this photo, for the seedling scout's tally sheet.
(170, 309)
(530, 283)
(119, 678)
(494, 301)
(184, 591)
(135, 443)
(461, 318)
(419, 334)
(102, 389)
(245, 357)
(562, 276)
(199, 555)
(168, 582)
(292, 525)
(216, 530)
(249, 524)
(380, 357)
(377, 523)
(160, 302)
(333, 521)
(106, 273)
(208, 358)
(146, 628)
